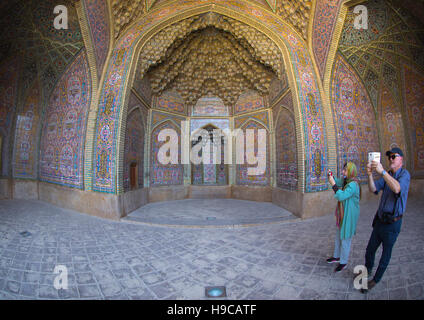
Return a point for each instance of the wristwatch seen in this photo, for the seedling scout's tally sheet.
(383, 172)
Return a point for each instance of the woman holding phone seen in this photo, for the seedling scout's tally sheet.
(347, 193)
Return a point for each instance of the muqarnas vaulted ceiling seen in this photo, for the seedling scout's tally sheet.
(294, 12)
(210, 55)
(393, 37)
(27, 30)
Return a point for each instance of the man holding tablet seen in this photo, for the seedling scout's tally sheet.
(388, 219)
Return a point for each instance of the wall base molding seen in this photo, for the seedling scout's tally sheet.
(114, 207)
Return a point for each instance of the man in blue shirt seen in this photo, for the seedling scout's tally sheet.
(388, 219)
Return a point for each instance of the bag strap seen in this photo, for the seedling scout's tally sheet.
(396, 196)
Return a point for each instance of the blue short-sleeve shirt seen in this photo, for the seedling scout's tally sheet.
(388, 198)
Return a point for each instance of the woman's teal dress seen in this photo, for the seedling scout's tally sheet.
(350, 200)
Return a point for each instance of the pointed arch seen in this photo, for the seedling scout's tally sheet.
(298, 63)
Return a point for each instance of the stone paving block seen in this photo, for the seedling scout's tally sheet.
(378, 295)
(35, 257)
(99, 266)
(49, 258)
(416, 291)
(267, 288)
(246, 281)
(183, 282)
(253, 259)
(47, 278)
(396, 282)
(23, 249)
(82, 267)
(382, 285)
(159, 264)
(123, 273)
(318, 283)
(111, 288)
(338, 285)
(33, 266)
(5, 262)
(20, 256)
(324, 271)
(121, 296)
(142, 269)
(310, 260)
(133, 261)
(85, 278)
(130, 283)
(12, 286)
(50, 251)
(194, 292)
(305, 270)
(152, 278)
(15, 275)
(64, 259)
(89, 291)
(296, 280)
(217, 269)
(356, 295)
(47, 292)
(48, 267)
(96, 256)
(73, 250)
(286, 292)
(228, 273)
(18, 264)
(174, 272)
(31, 277)
(335, 296)
(80, 258)
(236, 291)
(140, 294)
(36, 250)
(104, 275)
(118, 265)
(398, 294)
(115, 257)
(163, 290)
(70, 293)
(92, 250)
(29, 290)
(311, 294)
(8, 254)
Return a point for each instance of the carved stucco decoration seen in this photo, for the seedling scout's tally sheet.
(125, 12)
(297, 13)
(210, 55)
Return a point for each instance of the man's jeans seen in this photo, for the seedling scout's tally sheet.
(341, 248)
(385, 234)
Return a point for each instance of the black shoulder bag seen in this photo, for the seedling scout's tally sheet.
(387, 217)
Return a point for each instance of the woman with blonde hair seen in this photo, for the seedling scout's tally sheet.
(347, 193)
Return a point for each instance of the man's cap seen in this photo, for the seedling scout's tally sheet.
(394, 150)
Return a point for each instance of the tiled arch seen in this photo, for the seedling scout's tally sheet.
(120, 73)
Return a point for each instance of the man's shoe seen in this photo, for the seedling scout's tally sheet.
(340, 267)
(333, 260)
(371, 284)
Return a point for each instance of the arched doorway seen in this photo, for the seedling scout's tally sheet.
(310, 123)
(215, 171)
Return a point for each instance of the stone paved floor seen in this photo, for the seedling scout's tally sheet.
(210, 213)
(121, 260)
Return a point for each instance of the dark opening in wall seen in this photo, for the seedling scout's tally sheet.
(133, 176)
(1, 152)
